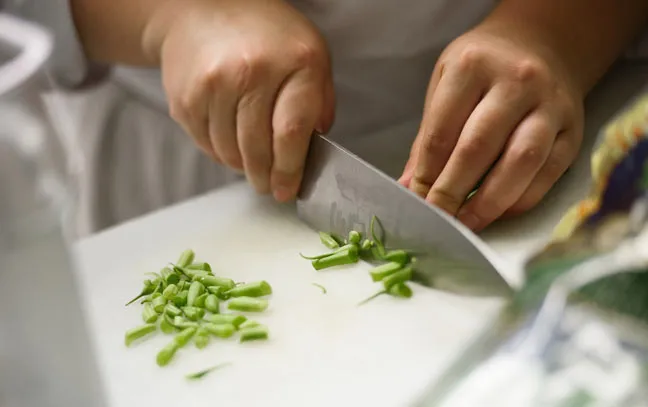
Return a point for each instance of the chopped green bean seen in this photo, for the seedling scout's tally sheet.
(183, 285)
(148, 314)
(195, 289)
(170, 276)
(226, 283)
(165, 325)
(344, 248)
(366, 244)
(185, 336)
(378, 242)
(172, 310)
(193, 313)
(170, 292)
(146, 290)
(139, 332)
(247, 304)
(158, 304)
(186, 258)
(400, 290)
(201, 339)
(399, 277)
(182, 323)
(233, 319)
(220, 330)
(219, 292)
(249, 324)
(354, 237)
(380, 272)
(256, 289)
(199, 275)
(328, 240)
(398, 256)
(321, 287)
(203, 373)
(254, 333)
(165, 355)
(180, 300)
(348, 256)
(200, 266)
(212, 304)
(200, 301)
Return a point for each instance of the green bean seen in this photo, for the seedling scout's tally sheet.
(203, 373)
(171, 310)
(366, 244)
(212, 304)
(200, 266)
(399, 277)
(256, 289)
(183, 285)
(146, 290)
(155, 295)
(170, 276)
(189, 273)
(182, 323)
(400, 290)
(344, 248)
(254, 334)
(170, 292)
(136, 333)
(148, 314)
(159, 304)
(249, 324)
(195, 289)
(165, 325)
(328, 240)
(186, 258)
(210, 281)
(180, 300)
(193, 313)
(200, 301)
(354, 237)
(220, 330)
(199, 275)
(201, 339)
(185, 336)
(219, 292)
(165, 355)
(233, 319)
(398, 256)
(380, 246)
(321, 287)
(348, 256)
(247, 304)
(380, 272)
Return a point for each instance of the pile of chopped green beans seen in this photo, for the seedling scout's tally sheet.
(185, 300)
(394, 271)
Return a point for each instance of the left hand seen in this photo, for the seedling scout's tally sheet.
(495, 94)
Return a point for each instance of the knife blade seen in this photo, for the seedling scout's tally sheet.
(340, 192)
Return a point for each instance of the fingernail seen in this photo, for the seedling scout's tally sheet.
(282, 194)
(470, 220)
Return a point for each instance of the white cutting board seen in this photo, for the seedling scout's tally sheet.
(323, 350)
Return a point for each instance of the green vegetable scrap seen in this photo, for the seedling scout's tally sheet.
(184, 300)
(203, 373)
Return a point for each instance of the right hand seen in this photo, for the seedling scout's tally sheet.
(249, 80)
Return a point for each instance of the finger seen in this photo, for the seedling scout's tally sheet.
(190, 111)
(328, 107)
(298, 108)
(254, 135)
(222, 126)
(525, 154)
(563, 153)
(480, 144)
(454, 98)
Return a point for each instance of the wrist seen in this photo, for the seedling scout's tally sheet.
(157, 28)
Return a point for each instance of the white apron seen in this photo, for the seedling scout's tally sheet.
(132, 158)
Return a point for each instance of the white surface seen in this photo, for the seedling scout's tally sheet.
(323, 350)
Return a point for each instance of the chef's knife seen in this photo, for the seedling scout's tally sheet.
(340, 192)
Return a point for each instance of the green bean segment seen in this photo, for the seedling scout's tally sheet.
(210, 281)
(398, 277)
(158, 304)
(354, 237)
(254, 333)
(180, 300)
(170, 292)
(339, 258)
(165, 326)
(401, 290)
(170, 276)
(249, 324)
(193, 313)
(200, 301)
(185, 336)
(247, 304)
(384, 270)
(200, 266)
(212, 304)
(165, 355)
(148, 289)
(195, 290)
(219, 292)
(148, 314)
(233, 319)
(256, 289)
(220, 330)
(172, 310)
(138, 332)
(328, 240)
(186, 258)
(399, 256)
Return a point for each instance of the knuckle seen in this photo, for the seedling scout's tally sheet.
(294, 129)
(528, 156)
(489, 207)
(469, 58)
(445, 199)
(474, 148)
(180, 108)
(435, 143)
(528, 70)
(243, 70)
(307, 54)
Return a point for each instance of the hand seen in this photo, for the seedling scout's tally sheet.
(249, 80)
(494, 97)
